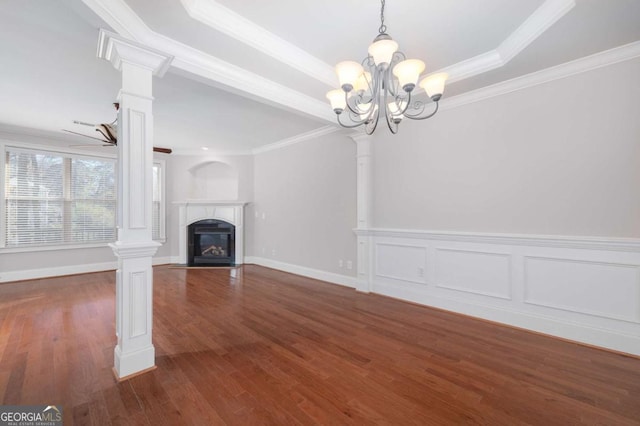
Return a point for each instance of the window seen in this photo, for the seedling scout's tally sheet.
(53, 198)
(158, 228)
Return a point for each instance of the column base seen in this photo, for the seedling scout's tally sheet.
(127, 365)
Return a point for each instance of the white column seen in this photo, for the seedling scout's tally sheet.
(364, 211)
(134, 248)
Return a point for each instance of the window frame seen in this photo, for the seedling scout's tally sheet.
(162, 237)
(6, 144)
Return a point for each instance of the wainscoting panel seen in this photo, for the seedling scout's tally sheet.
(478, 272)
(582, 289)
(401, 262)
(595, 288)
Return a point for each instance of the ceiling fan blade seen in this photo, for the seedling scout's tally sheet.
(86, 136)
(162, 150)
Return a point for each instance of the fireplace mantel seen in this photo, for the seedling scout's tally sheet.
(190, 211)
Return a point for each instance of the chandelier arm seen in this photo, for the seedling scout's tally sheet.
(406, 106)
(350, 126)
(371, 124)
(357, 99)
(388, 116)
(417, 116)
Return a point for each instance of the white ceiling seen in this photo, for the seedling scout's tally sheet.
(264, 67)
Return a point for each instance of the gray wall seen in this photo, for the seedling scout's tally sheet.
(307, 193)
(559, 158)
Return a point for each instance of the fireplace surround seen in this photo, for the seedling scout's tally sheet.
(217, 219)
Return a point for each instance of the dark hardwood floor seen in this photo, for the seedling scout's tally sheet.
(273, 348)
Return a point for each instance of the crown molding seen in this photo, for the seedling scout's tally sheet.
(216, 16)
(316, 133)
(560, 241)
(118, 50)
(210, 153)
(240, 81)
(537, 23)
(118, 15)
(540, 20)
(588, 63)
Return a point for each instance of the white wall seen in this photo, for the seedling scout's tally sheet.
(305, 201)
(559, 158)
(206, 177)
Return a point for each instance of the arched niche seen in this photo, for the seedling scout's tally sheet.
(213, 180)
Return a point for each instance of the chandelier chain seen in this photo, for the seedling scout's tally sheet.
(383, 27)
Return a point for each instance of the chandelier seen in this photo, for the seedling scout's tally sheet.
(386, 87)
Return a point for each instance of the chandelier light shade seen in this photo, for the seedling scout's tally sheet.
(384, 84)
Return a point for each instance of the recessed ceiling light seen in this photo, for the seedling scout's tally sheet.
(204, 148)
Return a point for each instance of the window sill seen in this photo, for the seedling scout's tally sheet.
(31, 249)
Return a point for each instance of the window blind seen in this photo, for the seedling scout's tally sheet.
(55, 198)
(157, 216)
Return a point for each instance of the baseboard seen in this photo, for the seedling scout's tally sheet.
(317, 274)
(572, 331)
(34, 274)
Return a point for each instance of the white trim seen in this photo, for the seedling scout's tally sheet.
(222, 19)
(118, 50)
(557, 241)
(234, 25)
(163, 200)
(539, 299)
(535, 25)
(211, 152)
(588, 63)
(302, 137)
(317, 274)
(607, 338)
(33, 274)
(11, 139)
(124, 21)
(597, 60)
(53, 247)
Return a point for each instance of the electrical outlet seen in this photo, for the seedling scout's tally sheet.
(340, 263)
(420, 272)
(349, 264)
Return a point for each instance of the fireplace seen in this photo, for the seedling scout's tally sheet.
(211, 243)
(229, 213)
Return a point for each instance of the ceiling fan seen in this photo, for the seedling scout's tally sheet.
(109, 133)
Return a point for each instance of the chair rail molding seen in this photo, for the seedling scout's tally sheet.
(586, 289)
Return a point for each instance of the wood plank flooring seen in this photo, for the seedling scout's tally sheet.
(268, 347)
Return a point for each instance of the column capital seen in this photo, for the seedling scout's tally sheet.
(135, 249)
(359, 137)
(363, 144)
(119, 50)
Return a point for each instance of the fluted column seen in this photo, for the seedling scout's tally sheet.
(134, 248)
